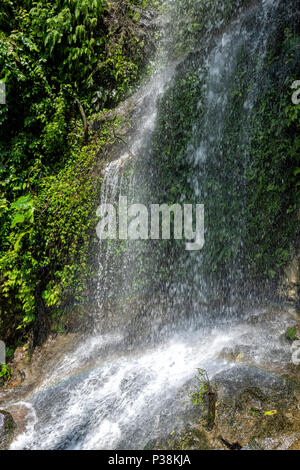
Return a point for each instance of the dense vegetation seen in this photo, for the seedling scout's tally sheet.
(250, 182)
(62, 63)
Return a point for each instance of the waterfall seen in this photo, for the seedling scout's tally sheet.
(125, 385)
(215, 177)
(120, 180)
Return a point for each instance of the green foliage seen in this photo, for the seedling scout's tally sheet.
(53, 57)
(179, 110)
(271, 413)
(251, 207)
(255, 412)
(192, 22)
(50, 236)
(292, 334)
(274, 187)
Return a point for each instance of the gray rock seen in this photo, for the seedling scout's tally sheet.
(295, 345)
(7, 429)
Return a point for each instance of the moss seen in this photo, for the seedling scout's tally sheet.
(7, 429)
(50, 262)
(249, 185)
(292, 334)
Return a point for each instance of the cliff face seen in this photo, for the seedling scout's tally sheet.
(48, 218)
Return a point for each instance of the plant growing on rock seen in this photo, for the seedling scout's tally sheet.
(205, 395)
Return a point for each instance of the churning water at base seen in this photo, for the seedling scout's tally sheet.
(106, 399)
(102, 396)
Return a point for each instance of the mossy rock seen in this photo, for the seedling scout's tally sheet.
(246, 395)
(7, 429)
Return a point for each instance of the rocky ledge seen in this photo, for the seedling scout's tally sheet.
(257, 392)
(7, 429)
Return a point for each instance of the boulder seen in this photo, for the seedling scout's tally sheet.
(7, 429)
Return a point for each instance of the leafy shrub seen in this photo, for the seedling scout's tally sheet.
(60, 61)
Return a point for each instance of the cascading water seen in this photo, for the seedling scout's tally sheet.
(115, 393)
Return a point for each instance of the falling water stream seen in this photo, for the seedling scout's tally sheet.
(112, 393)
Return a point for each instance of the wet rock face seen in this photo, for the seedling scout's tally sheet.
(7, 429)
(256, 410)
(290, 285)
(246, 395)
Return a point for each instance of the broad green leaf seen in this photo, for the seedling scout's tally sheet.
(18, 219)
